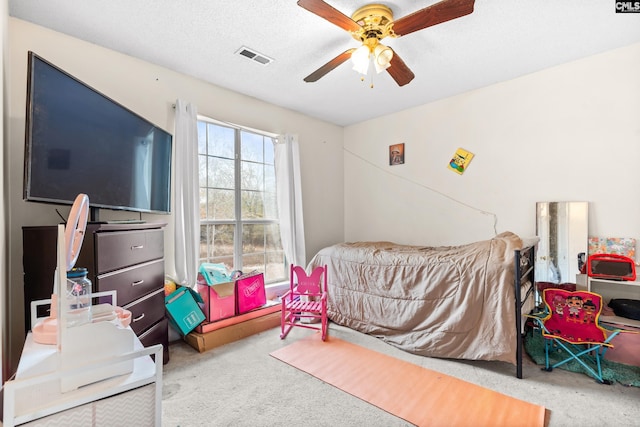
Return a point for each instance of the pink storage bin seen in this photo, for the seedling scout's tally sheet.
(219, 299)
(626, 346)
(250, 293)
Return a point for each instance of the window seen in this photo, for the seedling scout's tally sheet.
(239, 224)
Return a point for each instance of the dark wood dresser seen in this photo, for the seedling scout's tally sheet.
(128, 258)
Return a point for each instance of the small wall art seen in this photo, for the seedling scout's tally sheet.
(396, 154)
(460, 161)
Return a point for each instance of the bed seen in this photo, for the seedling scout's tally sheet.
(460, 302)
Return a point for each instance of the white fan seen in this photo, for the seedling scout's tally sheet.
(104, 337)
(46, 331)
(75, 228)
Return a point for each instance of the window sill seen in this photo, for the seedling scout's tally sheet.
(275, 290)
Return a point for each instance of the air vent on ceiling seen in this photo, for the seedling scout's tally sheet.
(254, 56)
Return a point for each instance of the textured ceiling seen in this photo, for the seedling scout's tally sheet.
(500, 40)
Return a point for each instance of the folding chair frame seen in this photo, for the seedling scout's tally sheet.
(576, 351)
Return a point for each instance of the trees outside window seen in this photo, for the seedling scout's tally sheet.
(239, 224)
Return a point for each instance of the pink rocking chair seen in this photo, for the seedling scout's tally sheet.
(306, 301)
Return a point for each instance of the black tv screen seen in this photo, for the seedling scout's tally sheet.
(80, 141)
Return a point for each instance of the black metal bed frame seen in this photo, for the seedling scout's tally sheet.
(524, 272)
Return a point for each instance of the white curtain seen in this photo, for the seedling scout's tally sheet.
(289, 198)
(187, 217)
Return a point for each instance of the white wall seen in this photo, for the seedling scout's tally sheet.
(151, 91)
(4, 278)
(570, 133)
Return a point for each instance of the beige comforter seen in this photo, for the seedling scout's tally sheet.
(451, 302)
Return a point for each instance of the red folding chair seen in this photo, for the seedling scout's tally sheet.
(570, 321)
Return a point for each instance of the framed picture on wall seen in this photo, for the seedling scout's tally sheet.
(460, 161)
(396, 154)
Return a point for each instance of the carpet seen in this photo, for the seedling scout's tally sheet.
(615, 372)
(418, 395)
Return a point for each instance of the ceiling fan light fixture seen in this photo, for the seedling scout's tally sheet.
(360, 59)
(382, 57)
(374, 22)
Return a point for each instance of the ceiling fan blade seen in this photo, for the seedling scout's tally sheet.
(437, 13)
(399, 70)
(329, 13)
(320, 72)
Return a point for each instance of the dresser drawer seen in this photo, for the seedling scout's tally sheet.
(133, 282)
(115, 250)
(158, 334)
(146, 311)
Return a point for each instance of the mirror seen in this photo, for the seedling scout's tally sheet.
(563, 229)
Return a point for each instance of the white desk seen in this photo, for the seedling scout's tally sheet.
(34, 396)
(610, 289)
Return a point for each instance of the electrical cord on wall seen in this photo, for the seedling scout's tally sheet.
(433, 190)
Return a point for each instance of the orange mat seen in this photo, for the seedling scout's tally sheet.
(418, 395)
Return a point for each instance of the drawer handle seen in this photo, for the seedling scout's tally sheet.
(137, 282)
(134, 247)
(139, 317)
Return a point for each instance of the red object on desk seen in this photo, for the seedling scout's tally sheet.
(611, 266)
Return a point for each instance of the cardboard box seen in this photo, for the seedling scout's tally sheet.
(250, 293)
(219, 300)
(183, 310)
(234, 332)
(268, 308)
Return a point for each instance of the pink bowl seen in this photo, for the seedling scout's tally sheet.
(124, 316)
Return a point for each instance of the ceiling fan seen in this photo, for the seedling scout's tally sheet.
(372, 23)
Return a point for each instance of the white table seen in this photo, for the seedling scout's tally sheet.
(34, 396)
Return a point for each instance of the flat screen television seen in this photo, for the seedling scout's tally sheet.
(81, 141)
